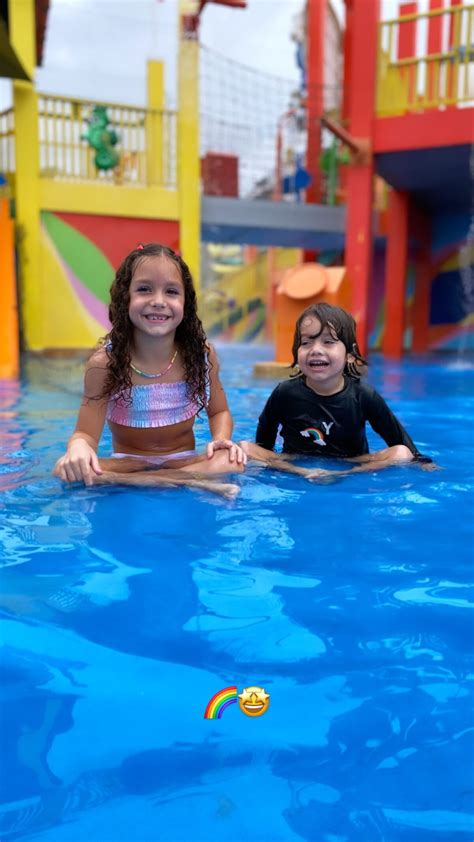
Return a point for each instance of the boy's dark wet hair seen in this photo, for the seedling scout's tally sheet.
(190, 336)
(341, 325)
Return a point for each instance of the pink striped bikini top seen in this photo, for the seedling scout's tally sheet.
(153, 405)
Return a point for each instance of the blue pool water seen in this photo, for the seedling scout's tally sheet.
(124, 611)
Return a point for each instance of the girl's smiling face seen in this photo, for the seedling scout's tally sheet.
(321, 357)
(156, 296)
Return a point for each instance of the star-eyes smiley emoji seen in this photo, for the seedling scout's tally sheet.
(254, 701)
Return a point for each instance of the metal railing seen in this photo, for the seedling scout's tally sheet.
(146, 143)
(427, 79)
(7, 141)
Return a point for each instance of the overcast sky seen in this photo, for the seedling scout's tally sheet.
(99, 48)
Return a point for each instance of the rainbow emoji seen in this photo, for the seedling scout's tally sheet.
(219, 702)
(318, 436)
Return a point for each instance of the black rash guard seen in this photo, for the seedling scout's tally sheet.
(332, 425)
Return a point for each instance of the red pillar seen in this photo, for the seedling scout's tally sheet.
(315, 30)
(424, 277)
(395, 275)
(347, 52)
(346, 85)
(359, 233)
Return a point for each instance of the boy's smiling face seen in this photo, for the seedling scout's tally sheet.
(321, 357)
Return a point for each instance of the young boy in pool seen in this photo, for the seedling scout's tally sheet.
(149, 379)
(322, 410)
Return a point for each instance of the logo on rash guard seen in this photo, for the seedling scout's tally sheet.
(316, 435)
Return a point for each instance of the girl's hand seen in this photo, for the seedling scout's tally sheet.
(236, 454)
(79, 464)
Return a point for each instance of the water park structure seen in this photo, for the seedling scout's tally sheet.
(91, 179)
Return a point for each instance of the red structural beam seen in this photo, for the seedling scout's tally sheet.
(359, 238)
(341, 133)
(347, 83)
(347, 49)
(316, 23)
(450, 127)
(396, 267)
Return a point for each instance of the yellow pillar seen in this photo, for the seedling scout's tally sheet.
(9, 357)
(155, 124)
(21, 15)
(188, 164)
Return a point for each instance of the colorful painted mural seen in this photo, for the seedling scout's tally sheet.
(451, 319)
(233, 303)
(452, 291)
(79, 255)
(78, 258)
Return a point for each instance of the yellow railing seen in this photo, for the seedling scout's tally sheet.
(426, 80)
(7, 141)
(146, 143)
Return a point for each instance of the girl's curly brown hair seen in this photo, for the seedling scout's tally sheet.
(342, 325)
(190, 337)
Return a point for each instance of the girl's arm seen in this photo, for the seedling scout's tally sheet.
(220, 419)
(80, 462)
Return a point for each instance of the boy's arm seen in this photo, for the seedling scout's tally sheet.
(387, 425)
(268, 423)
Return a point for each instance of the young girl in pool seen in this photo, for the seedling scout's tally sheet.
(149, 378)
(323, 409)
